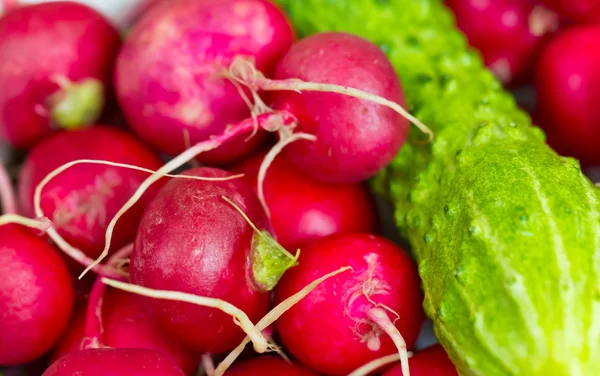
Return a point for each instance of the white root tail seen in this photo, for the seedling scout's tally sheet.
(240, 318)
(374, 365)
(380, 317)
(42, 224)
(273, 315)
(270, 157)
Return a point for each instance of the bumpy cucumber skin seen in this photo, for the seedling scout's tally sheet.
(506, 232)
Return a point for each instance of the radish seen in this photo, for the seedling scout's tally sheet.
(125, 325)
(432, 361)
(115, 362)
(578, 11)
(36, 296)
(508, 33)
(169, 73)
(352, 318)
(55, 64)
(568, 86)
(303, 209)
(80, 201)
(355, 137)
(191, 239)
(268, 365)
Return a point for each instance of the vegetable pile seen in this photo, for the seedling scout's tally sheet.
(218, 175)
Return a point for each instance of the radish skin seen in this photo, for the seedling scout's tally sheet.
(36, 296)
(115, 362)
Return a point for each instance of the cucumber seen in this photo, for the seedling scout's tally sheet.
(506, 232)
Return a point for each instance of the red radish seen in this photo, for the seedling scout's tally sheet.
(55, 67)
(192, 240)
(36, 296)
(81, 200)
(303, 209)
(115, 362)
(355, 138)
(568, 86)
(125, 324)
(347, 320)
(508, 33)
(432, 361)
(169, 77)
(268, 365)
(579, 11)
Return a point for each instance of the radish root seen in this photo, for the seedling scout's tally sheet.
(273, 315)
(270, 157)
(43, 224)
(208, 365)
(243, 71)
(240, 318)
(374, 365)
(380, 317)
(7, 193)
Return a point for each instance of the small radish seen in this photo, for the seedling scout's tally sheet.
(303, 209)
(508, 33)
(81, 200)
(115, 362)
(55, 66)
(349, 319)
(432, 361)
(169, 74)
(125, 325)
(191, 239)
(355, 138)
(36, 295)
(568, 87)
(268, 365)
(578, 11)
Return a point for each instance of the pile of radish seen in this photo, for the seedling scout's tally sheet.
(198, 185)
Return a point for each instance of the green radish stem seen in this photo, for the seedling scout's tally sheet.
(76, 104)
(201, 147)
(75, 253)
(240, 318)
(93, 321)
(243, 71)
(269, 259)
(273, 315)
(380, 317)
(374, 365)
(7, 193)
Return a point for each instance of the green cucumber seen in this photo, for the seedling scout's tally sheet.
(506, 232)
